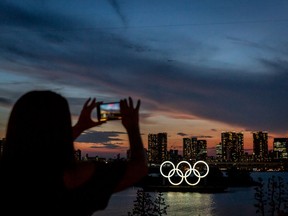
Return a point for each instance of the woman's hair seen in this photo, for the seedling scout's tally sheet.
(39, 130)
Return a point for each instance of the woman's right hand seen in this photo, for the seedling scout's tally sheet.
(137, 166)
(130, 115)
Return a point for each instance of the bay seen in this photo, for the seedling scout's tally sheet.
(236, 201)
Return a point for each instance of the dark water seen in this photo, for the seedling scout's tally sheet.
(235, 201)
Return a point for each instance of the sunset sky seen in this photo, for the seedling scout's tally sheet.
(199, 67)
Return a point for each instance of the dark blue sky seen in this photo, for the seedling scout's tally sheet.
(199, 67)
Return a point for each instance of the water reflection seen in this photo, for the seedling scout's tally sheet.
(189, 203)
(236, 201)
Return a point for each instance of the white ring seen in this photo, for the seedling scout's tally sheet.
(169, 172)
(186, 174)
(199, 176)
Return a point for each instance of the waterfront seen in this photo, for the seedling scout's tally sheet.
(235, 201)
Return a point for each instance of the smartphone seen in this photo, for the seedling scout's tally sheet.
(109, 111)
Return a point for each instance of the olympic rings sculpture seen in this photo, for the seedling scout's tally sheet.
(186, 174)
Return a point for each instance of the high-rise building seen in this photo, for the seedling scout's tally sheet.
(219, 151)
(232, 144)
(173, 155)
(240, 146)
(187, 149)
(152, 147)
(201, 150)
(194, 149)
(280, 148)
(260, 145)
(157, 148)
(194, 141)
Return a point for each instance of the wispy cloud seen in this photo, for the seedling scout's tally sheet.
(5, 101)
(116, 7)
(107, 146)
(66, 50)
(182, 134)
(102, 137)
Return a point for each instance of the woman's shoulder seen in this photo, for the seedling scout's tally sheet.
(86, 171)
(78, 174)
(91, 184)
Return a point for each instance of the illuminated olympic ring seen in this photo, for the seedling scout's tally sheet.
(186, 174)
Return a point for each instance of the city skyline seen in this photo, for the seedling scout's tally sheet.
(211, 148)
(199, 67)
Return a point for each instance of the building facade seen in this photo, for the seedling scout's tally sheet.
(187, 149)
(194, 149)
(260, 145)
(280, 148)
(157, 148)
(232, 145)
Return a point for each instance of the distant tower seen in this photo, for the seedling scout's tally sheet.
(187, 149)
(240, 146)
(173, 155)
(157, 148)
(280, 148)
(194, 149)
(201, 150)
(219, 151)
(152, 147)
(232, 145)
(260, 145)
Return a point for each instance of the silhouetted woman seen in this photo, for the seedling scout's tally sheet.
(39, 172)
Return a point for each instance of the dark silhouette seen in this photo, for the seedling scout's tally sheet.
(145, 204)
(239, 178)
(39, 172)
(271, 197)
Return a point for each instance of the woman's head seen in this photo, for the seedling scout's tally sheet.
(39, 128)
